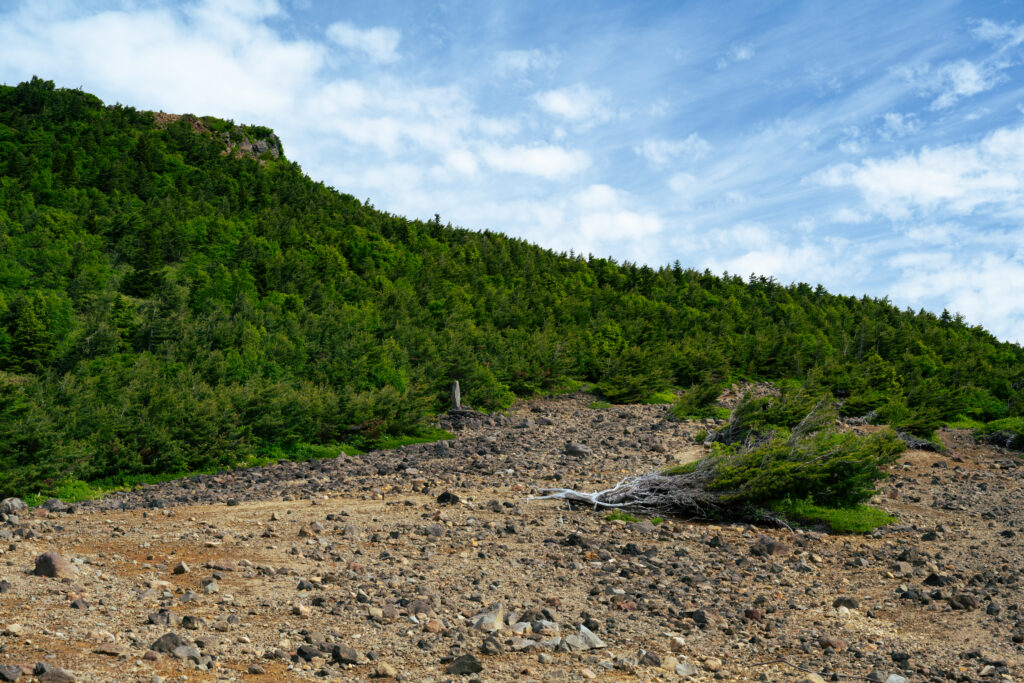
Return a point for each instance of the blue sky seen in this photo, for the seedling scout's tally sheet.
(875, 148)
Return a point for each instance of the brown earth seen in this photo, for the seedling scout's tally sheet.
(358, 552)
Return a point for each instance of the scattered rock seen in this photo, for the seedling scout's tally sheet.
(53, 565)
(464, 665)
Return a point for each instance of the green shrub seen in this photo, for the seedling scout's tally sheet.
(832, 468)
(1008, 432)
(700, 436)
(600, 405)
(697, 402)
(762, 417)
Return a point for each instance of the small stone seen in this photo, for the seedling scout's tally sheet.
(713, 664)
(51, 564)
(577, 449)
(464, 665)
(80, 603)
(491, 646)
(343, 654)
(765, 546)
(12, 506)
(686, 669)
(9, 673)
(187, 652)
(896, 678)
(492, 619)
(256, 670)
(181, 568)
(810, 678)
(385, 670)
(46, 673)
(448, 498)
(590, 639)
(845, 601)
(837, 644)
(168, 642)
(676, 644)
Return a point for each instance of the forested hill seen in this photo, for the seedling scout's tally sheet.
(176, 295)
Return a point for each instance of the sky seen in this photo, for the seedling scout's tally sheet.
(872, 147)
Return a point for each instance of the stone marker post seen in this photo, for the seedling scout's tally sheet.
(456, 396)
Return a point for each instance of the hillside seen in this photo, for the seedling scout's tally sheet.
(176, 296)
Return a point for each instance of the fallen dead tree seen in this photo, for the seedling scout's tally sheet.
(810, 460)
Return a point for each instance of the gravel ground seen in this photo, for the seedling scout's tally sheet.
(427, 563)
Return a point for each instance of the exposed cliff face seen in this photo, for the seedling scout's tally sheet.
(242, 141)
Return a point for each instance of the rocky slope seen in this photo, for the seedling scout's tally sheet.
(428, 564)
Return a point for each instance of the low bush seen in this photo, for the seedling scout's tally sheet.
(1007, 432)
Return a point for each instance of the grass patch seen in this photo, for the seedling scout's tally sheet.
(858, 519)
(680, 469)
(964, 422)
(425, 436)
(620, 516)
(660, 397)
(657, 520)
(700, 436)
(600, 405)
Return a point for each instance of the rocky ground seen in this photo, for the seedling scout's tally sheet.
(428, 564)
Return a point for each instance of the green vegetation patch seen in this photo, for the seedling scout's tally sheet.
(858, 519)
(600, 405)
(1008, 432)
(620, 516)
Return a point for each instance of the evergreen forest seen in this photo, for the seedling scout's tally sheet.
(177, 296)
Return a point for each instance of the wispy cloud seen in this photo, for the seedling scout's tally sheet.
(896, 125)
(546, 161)
(576, 104)
(522, 61)
(662, 152)
(736, 53)
(380, 44)
(1003, 35)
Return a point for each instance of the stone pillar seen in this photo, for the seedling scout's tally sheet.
(456, 396)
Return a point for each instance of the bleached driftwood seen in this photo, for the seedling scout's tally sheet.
(683, 494)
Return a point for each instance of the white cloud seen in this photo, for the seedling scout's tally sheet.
(954, 81)
(546, 161)
(736, 53)
(380, 44)
(522, 61)
(895, 125)
(575, 103)
(661, 152)
(983, 286)
(851, 147)
(1004, 36)
(604, 216)
(845, 214)
(957, 179)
